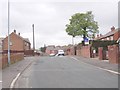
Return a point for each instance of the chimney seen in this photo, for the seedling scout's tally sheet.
(100, 35)
(14, 31)
(19, 34)
(112, 28)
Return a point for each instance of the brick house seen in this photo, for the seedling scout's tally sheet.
(17, 43)
(114, 34)
(50, 49)
(54, 49)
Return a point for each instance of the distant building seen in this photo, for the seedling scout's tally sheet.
(50, 49)
(114, 34)
(17, 42)
(54, 49)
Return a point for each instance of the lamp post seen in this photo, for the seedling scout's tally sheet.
(9, 62)
(33, 38)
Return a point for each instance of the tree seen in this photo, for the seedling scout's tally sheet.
(43, 49)
(81, 24)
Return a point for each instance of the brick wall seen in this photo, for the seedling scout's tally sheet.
(15, 57)
(113, 54)
(29, 52)
(102, 54)
(86, 51)
(78, 52)
(71, 51)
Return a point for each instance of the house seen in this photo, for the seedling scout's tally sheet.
(114, 34)
(50, 49)
(17, 43)
(54, 49)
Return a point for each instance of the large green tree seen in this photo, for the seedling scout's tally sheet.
(81, 24)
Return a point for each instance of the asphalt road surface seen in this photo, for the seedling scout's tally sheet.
(65, 72)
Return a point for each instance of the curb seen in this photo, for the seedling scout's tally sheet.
(108, 70)
(18, 75)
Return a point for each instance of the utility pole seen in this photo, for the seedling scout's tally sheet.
(33, 38)
(9, 62)
(72, 40)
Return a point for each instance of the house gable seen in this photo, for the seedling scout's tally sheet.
(16, 43)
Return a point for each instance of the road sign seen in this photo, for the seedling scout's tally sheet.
(86, 40)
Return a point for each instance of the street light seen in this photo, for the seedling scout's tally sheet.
(9, 62)
(33, 38)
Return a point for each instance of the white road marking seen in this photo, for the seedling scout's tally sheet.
(0, 81)
(14, 80)
(111, 71)
(74, 58)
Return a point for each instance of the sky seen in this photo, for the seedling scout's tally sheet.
(51, 16)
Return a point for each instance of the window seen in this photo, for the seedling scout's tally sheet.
(108, 38)
(10, 43)
(111, 37)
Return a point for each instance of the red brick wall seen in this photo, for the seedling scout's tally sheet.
(100, 53)
(86, 51)
(113, 54)
(78, 52)
(15, 57)
(71, 51)
(29, 52)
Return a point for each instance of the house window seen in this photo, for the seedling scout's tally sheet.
(108, 38)
(111, 37)
(10, 43)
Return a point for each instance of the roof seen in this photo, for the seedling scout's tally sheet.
(51, 47)
(25, 39)
(110, 33)
(1, 38)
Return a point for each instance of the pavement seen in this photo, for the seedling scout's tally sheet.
(99, 63)
(10, 73)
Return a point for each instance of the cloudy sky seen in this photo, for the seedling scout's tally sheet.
(51, 16)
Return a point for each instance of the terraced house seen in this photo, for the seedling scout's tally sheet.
(114, 34)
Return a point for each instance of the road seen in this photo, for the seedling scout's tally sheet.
(65, 72)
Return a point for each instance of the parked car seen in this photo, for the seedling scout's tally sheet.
(60, 52)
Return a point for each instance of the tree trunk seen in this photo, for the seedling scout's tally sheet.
(84, 36)
(72, 40)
